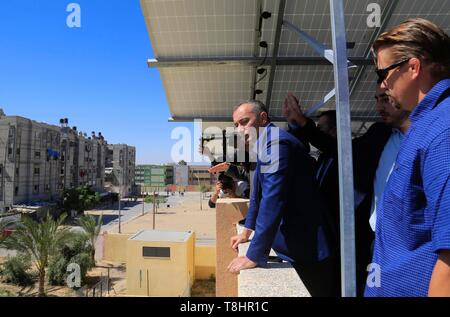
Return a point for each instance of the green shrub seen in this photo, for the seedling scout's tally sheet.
(16, 270)
(75, 251)
(57, 271)
(85, 263)
(6, 293)
(79, 243)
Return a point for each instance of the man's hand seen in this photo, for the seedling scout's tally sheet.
(240, 238)
(222, 167)
(218, 188)
(292, 111)
(240, 263)
(216, 193)
(440, 279)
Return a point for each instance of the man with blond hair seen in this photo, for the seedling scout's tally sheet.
(412, 239)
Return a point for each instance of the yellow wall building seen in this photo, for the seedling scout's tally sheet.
(160, 263)
(205, 259)
(166, 276)
(115, 247)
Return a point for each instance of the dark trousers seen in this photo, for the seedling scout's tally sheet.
(319, 278)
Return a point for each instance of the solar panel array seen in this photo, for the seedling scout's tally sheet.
(199, 29)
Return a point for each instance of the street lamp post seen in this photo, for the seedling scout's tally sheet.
(120, 212)
(143, 204)
(120, 197)
(154, 209)
(200, 190)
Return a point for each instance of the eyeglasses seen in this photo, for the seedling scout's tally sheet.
(382, 73)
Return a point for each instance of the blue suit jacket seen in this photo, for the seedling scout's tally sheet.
(285, 209)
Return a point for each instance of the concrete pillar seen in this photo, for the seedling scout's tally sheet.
(228, 213)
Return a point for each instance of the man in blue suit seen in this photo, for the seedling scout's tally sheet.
(285, 212)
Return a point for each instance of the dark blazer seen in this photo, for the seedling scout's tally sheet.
(285, 209)
(367, 150)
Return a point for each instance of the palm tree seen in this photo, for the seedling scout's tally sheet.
(92, 230)
(41, 241)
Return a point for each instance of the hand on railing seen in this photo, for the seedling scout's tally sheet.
(240, 238)
(240, 263)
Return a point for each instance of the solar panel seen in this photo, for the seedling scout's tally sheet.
(221, 29)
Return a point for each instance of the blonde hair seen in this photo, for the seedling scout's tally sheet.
(422, 39)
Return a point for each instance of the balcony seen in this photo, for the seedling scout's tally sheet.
(277, 280)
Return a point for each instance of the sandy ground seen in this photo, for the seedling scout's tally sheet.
(183, 214)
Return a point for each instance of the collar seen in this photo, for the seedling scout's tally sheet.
(431, 100)
(262, 136)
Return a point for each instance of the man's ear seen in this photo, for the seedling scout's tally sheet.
(264, 117)
(415, 67)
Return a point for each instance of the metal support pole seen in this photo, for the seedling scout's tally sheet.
(120, 216)
(276, 45)
(346, 194)
(154, 210)
(321, 49)
(109, 285)
(311, 111)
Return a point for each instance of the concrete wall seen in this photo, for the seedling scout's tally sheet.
(205, 262)
(228, 213)
(191, 260)
(171, 277)
(115, 247)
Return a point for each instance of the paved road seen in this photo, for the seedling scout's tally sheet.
(131, 210)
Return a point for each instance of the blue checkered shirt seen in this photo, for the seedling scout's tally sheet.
(413, 221)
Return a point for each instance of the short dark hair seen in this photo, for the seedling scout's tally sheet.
(331, 115)
(257, 107)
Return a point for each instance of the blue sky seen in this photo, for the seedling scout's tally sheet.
(95, 75)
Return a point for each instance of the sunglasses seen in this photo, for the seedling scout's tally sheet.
(383, 73)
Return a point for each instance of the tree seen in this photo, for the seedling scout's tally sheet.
(92, 230)
(77, 250)
(88, 198)
(39, 240)
(204, 189)
(79, 199)
(182, 162)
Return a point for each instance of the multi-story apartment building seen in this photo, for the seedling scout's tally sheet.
(83, 158)
(30, 161)
(120, 169)
(199, 175)
(38, 160)
(91, 161)
(151, 177)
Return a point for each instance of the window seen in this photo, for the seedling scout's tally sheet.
(17, 171)
(36, 189)
(16, 191)
(37, 170)
(37, 155)
(156, 252)
(47, 187)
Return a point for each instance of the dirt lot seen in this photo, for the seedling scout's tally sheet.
(184, 214)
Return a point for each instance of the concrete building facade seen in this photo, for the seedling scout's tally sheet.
(30, 166)
(199, 175)
(83, 159)
(152, 177)
(120, 169)
(39, 160)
